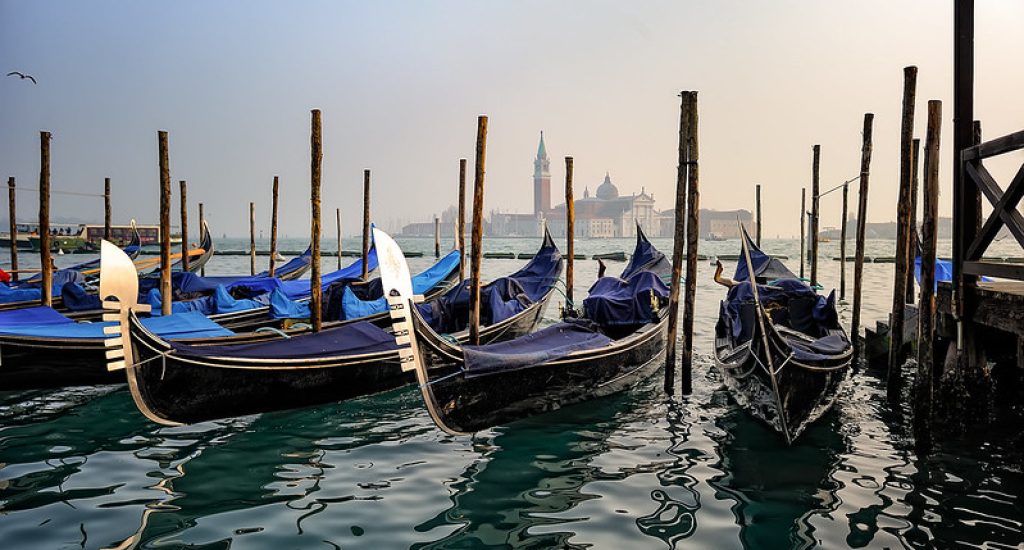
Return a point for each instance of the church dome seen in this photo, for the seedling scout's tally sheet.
(607, 189)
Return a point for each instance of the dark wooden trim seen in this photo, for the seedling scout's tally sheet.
(1005, 207)
(1000, 145)
(995, 269)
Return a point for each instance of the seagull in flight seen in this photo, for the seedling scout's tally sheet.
(23, 76)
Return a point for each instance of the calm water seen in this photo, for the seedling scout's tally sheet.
(80, 468)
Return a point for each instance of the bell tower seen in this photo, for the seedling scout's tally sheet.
(541, 180)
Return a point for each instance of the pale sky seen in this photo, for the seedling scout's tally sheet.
(400, 85)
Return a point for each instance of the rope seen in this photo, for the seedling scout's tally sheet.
(74, 193)
(275, 330)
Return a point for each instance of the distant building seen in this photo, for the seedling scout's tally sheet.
(606, 214)
(721, 224)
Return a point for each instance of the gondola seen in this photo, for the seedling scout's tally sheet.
(43, 348)
(779, 345)
(618, 340)
(191, 381)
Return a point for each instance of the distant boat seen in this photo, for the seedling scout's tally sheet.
(714, 237)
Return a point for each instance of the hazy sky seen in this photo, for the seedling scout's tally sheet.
(400, 85)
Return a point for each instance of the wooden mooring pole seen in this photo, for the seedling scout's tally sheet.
(842, 242)
(815, 212)
(570, 234)
(437, 237)
(12, 212)
(758, 208)
(106, 209)
(183, 189)
(803, 230)
(316, 164)
(165, 224)
(915, 161)
(462, 220)
(338, 215)
(678, 234)
(478, 231)
(862, 212)
(366, 223)
(929, 236)
(202, 227)
(896, 324)
(692, 242)
(273, 225)
(45, 260)
(252, 238)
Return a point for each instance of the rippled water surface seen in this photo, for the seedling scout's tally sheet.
(81, 468)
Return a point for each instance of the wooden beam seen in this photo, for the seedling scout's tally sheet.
(106, 209)
(998, 146)
(570, 234)
(273, 226)
(202, 225)
(165, 224)
(462, 220)
(678, 242)
(803, 231)
(815, 211)
(896, 343)
(915, 161)
(252, 238)
(692, 242)
(1004, 208)
(757, 205)
(338, 215)
(842, 243)
(995, 269)
(965, 197)
(366, 224)
(183, 189)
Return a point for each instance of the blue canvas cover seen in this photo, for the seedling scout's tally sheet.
(300, 262)
(30, 291)
(788, 295)
(766, 268)
(545, 345)
(40, 315)
(357, 307)
(826, 347)
(75, 298)
(614, 301)
(281, 307)
(299, 289)
(219, 302)
(356, 338)
(646, 258)
(184, 325)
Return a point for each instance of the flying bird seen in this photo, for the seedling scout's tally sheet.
(23, 76)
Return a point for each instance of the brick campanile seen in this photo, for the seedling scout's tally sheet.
(541, 179)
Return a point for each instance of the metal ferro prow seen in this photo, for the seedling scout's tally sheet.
(119, 290)
(397, 284)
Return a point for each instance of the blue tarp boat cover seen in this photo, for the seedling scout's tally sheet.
(299, 289)
(184, 325)
(766, 268)
(219, 302)
(545, 345)
(790, 302)
(353, 339)
(647, 258)
(356, 307)
(75, 298)
(633, 301)
(281, 307)
(819, 349)
(29, 291)
(39, 315)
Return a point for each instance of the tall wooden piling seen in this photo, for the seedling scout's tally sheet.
(803, 230)
(570, 234)
(862, 212)
(183, 189)
(929, 236)
(12, 212)
(758, 209)
(45, 260)
(462, 220)
(337, 212)
(896, 344)
(692, 241)
(106, 209)
(815, 212)
(252, 238)
(316, 164)
(842, 242)
(478, 230)
(165, 224)
(437, 237)
(202, 227)
(366, 223)
(273, 226)
(915, 161)
(678, 234)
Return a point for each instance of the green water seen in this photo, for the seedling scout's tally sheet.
(81, 468)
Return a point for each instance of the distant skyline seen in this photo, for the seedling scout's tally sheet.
(400, 85)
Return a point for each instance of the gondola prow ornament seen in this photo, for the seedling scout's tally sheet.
(119, 290)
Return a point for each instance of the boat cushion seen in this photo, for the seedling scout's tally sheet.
(353, 339)
(545, 345)
(633, 301)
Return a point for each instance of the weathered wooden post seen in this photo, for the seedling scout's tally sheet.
(437, 237)
(758, 207)
(366, 223)
(165, 224)
(316, 163)
(692, 241)
(338, 215)
(106, 209)
(896, 344)
(678, 234)
(45, 260)
(478, 230)
(12, 211)
(815, 213)
(252, 238)
(570, 234)
(912, 248)
(926, 319)
(273, 226)
(842, 243)
(183, 189)
(462, 220)
(803, 230)
(202, 227)
(862, 212)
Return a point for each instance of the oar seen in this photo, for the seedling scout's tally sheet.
(764, 332)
